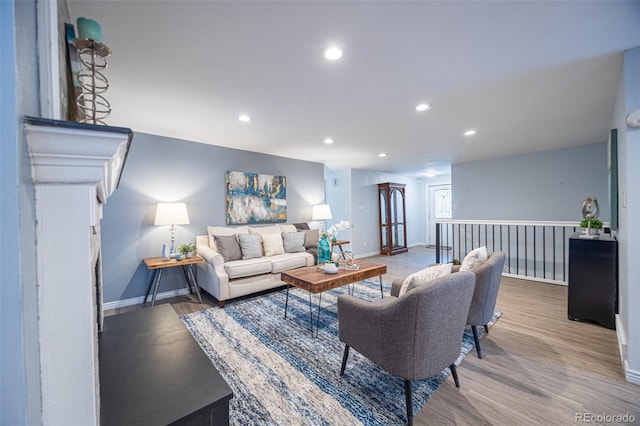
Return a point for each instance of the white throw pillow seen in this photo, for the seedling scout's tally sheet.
(272, 244)
(475, 258)
(424, 276)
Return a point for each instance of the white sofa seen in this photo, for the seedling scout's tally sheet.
(228, 279)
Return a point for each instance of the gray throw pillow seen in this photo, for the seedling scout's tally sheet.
(311, 238)
(228, 247)
(293, 241)
(250, 245)
(303, 226)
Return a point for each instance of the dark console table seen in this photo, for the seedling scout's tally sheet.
(152, 372)
(593, 279)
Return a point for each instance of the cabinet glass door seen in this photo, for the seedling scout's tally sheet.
(397, 218)
(384, 229)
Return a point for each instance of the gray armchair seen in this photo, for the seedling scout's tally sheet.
(414, 336)
(483, 305)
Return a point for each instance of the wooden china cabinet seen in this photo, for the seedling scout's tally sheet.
(393, 231)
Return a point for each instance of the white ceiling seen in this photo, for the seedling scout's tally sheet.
(529, 76)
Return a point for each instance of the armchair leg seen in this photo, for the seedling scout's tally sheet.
(344, 359)
(408, 396)
(454, 373)
(474, 329)
(486, 328)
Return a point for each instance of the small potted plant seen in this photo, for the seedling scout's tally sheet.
(591, 226)
(187, 249)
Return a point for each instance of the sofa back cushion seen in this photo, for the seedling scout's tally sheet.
(250, 245)
(262, 230)
(288, 228)
(228, 247)
(223, 230)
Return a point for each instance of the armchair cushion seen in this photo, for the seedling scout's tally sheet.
(424, 276)
(474, 258)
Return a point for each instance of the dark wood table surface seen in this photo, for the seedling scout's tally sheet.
(153, 372)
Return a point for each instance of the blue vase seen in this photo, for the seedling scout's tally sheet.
(324, 250)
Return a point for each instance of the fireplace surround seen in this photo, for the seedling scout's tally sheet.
(75, 168)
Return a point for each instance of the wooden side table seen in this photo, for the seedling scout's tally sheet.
(339, 244)
(156, 265)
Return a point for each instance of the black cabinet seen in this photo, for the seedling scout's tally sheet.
(593, 279)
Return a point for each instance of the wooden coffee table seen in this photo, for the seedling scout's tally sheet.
(315, 281)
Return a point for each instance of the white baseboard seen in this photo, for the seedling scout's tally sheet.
(529, 278)
(363, 255)
(632, 376)
(139, 300)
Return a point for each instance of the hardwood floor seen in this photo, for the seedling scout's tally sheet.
(538, 367)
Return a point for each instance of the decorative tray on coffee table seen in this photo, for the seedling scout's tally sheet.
(351, 267)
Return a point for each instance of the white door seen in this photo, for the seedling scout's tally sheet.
(439, 208)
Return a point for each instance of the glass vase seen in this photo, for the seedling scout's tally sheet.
(324, 250)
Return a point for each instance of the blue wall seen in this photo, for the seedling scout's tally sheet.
(19, 86)
(548, 185)
(162, 169)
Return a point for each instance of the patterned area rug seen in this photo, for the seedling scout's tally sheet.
(281, 375)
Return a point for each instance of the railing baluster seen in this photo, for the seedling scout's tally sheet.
(526, 248)
(554, 252)
(450, 247)
(493, 237)
(564, 258)
(437, 242)
(517, 250)
(535, 265)
(544, 251)
(509, 245)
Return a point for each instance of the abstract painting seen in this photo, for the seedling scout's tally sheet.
(255, 198)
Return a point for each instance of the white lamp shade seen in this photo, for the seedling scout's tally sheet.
(171, 214)
(321, 212)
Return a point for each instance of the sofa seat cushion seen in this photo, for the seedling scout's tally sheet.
(284, 262)
(248, 267)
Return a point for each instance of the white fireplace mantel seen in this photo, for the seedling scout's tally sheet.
(75, 168)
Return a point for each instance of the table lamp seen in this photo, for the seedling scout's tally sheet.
(172, 214)
(321, 212)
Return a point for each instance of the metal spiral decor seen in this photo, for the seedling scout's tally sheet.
(93, 60)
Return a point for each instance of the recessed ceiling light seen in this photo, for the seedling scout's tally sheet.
(470, 133)
(328, 141)
(333, 53)
(423, 107)
(382, 154)
(244, 117)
